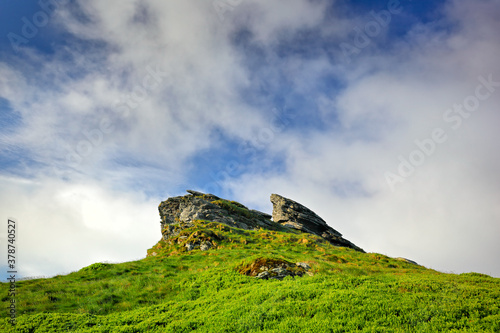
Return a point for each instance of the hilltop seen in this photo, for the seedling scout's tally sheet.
(222, 267)
(178, 213)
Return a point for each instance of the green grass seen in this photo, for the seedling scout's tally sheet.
(234, 207)
(180, 291)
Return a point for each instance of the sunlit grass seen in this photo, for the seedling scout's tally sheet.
(179, 291)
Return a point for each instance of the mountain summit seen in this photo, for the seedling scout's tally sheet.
(221, 267)
(178, 213)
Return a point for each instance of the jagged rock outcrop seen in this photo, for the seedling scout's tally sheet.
(291, 214)
(178, 213)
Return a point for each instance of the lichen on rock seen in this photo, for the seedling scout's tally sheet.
(179, 213)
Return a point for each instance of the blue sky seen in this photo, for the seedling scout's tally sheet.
(381, 116)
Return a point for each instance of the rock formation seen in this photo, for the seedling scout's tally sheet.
(178, 213)
(293, 215)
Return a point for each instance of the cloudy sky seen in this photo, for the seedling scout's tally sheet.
(381, 116)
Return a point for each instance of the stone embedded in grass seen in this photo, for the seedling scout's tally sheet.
(280, 273)
(303, 265)
(267, 268)
(205, 246)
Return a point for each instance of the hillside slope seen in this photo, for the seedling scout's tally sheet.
(179, 288)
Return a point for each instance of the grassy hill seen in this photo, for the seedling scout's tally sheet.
(176, 290)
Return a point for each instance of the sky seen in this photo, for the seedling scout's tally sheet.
(380, 116)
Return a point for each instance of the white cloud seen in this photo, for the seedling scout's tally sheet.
(94, 116)
(162, 84)
(385, 100)
(62, 227)
(271, 20)
(444, 215)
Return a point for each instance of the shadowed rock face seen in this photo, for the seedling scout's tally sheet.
(178, 213)
(293, 215)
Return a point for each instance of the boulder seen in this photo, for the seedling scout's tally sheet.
(293, 215)
(303, 265)
(178, 213)
(270, 268)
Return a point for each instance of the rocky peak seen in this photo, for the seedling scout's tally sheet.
(178, 213)
(293, 215)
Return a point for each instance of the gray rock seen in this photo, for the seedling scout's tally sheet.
(303, 265)
(280, 273)
(205, 246)
(266, 215)
(298, 216)
(195, 193)
(294, 215)
(190, 246)
(269, 268)
(177, 213)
